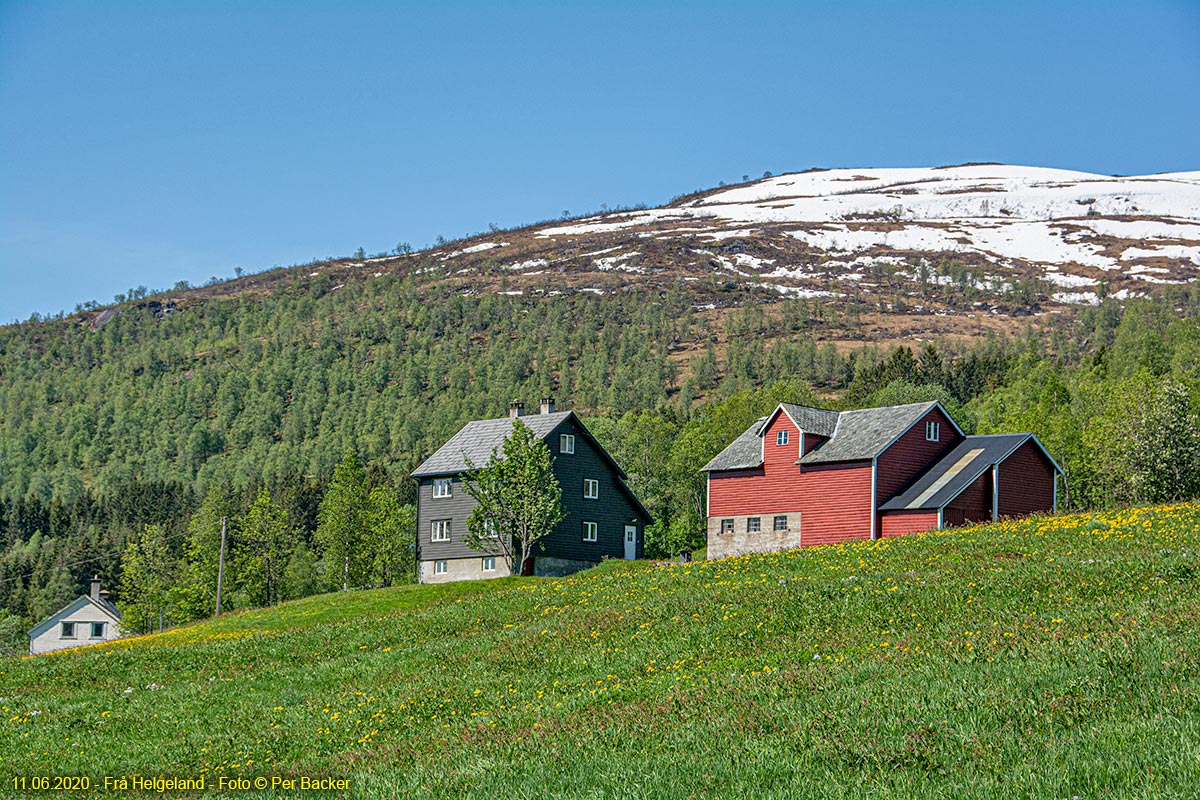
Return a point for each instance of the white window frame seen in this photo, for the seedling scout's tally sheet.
(489, 564)
(933, 430)
(441, 487)
(781, 437)
(591, 531)
(591, 489)
(439, 530)
(566, 443)
(753, 524)
(775, 523)
(96, 635)
(66, 630)
(440, 567)
(489, 529)
(727, 526)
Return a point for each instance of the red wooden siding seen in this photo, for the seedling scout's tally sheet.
(837, 502)
(909, 455)
(1026, 482)
(898, 523)
(975, 502)
(781, 459)
(811, 440)
(834, 499)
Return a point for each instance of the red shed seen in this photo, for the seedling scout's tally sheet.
(806, 476)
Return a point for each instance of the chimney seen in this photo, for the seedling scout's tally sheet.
(516, 409)
(547, 405)
(95, 593)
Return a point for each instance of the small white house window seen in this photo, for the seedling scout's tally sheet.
(932, 431)
(726, 526)
(753, 524)
(781, 522)
(590, 530)
(489, 529)
(97, 630)
(591, 489)
(489, 564)
(439, 530)
(781, 437)
(566, 443)
(439, 568)
(68, 630)
(441, 487)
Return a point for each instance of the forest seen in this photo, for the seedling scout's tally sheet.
(295, 414)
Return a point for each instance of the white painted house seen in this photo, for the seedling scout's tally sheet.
(88, 619)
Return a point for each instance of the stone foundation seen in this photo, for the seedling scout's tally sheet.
(740, 542)
(558, 567)
(461, 569)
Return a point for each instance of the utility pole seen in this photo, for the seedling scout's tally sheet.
(221, 567)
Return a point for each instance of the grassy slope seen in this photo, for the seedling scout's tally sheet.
(1043, 658)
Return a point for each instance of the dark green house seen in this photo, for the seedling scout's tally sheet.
(603, 517)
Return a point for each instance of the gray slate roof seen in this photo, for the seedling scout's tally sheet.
(946, 479)
(743, 453)
(474, 442)
(812, 420)
(861, 435)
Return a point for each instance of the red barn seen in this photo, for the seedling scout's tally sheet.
(809, 476)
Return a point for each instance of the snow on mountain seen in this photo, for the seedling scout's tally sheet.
(1073, 229)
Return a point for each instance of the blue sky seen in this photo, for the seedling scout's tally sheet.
(147, 143)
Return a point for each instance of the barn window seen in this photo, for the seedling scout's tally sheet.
(489, 564)
(781, 437)
(566, 443)
(441, 487)
(932, 431)
(97, 630)
(68, 630)
(439, 530)
(591, 489)
(726, 526)
(439, 568)
(781, 522)
(589, 531)
(753, 524)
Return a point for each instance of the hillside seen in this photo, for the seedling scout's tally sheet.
(958, 251)
(1051, 657)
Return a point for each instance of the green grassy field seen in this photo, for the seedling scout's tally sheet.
(1047, 658)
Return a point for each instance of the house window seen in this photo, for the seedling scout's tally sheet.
(932, 431)
(441, 487)
(566, 443)
(489, 529)
(489, 564)
(726, 526)
(781, 522)
(97, 630)
(68, 630)
(439, 568)
(753, 524)
(590, 530)
(591, 489)
(781, 437)
(439, 530)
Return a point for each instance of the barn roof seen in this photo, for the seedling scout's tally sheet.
(958, 469)
(811, 420)
(745, 452)
(864, 434)
(853, 435)
(473, 444)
